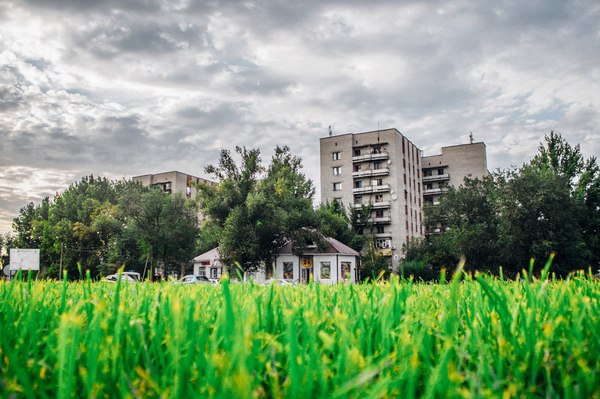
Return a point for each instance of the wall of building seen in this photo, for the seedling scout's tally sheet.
(382, 168)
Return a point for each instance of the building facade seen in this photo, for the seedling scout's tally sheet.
(382, 169)
(173, 182)
(450, 167)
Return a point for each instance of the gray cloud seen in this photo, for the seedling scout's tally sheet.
(125, 88)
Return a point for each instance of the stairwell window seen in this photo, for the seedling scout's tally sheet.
(336, 156)
(337, 186)
(337, 170)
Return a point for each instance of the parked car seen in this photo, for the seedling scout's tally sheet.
(280, 281)
(193, 279)
(125, 277)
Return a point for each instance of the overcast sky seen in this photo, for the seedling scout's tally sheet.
(121, 88)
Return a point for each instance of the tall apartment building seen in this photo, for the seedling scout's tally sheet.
(450, 168)
(381, 168)
(173, 182)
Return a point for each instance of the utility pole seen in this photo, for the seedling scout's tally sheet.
(61, 258)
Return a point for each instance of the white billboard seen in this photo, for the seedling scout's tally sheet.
(24, 259)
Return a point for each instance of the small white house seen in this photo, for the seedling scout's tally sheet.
(335, 264)
(208, 264)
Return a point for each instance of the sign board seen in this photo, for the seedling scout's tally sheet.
(24, 259)
(306, 262)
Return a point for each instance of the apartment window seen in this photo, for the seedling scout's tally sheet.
(337, 170)
(357, 152)
(336, 156)
(325, 270)
(428, 186)
(338, 200)
(357, 168)
(358, 184)
(441, 171)
(337, 186)
(288, 270)
(379, 229)
(376, 150)
(382, 243)
(379, 213)
(404, 163)
(358, 200)
(405, 178)
(377, 165)
(379, 198)
(378, 182)
(427, 172)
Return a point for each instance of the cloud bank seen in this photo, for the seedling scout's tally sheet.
(119, 88)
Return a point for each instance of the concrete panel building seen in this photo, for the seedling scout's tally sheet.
(450, 168)
(173, 182)
(381, 168)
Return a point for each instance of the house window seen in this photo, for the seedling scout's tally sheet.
(288, 270)
(201, 272)
(337, 170)
(358, 184)
(346, 273)
(325, 270)
(357, 152)
(214, 272)
(268, 272)
(337, 186)
(335, 156)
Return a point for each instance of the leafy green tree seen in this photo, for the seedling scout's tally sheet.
(373, 264)
(165, 227)
(257, 210)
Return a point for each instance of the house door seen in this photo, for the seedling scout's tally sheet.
(306, 273)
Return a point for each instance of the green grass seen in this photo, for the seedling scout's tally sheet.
(480, 337)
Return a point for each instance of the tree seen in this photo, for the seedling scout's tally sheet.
(255, 215)
(165, 227)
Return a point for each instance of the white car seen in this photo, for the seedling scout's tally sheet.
(113, 278)
(280, 281)
(193, 279)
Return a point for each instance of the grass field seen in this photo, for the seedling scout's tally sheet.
(480, 337)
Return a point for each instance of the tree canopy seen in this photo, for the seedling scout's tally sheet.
(101, 225)
(551, 204)
(255, 210)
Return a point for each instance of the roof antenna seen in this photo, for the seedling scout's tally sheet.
(330, 131)
(471, 139)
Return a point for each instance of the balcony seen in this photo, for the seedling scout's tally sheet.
(435, 191)
(384, 252)
(383, 235)
(375, 205)
(432, 178)
(371, 189)
(371, 172)
(373, 156)
(382, 220)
